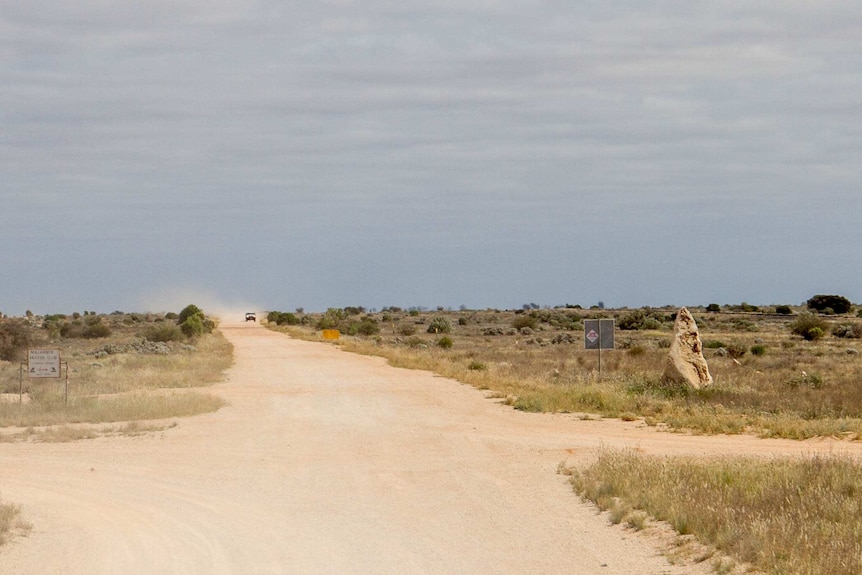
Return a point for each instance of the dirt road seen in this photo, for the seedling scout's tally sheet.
(327, 462)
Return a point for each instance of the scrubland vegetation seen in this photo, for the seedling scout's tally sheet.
(134, 367)
(784, 371)
(795, 375)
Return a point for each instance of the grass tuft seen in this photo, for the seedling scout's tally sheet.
(781, 516)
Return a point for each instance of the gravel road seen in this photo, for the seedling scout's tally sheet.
(328, 462)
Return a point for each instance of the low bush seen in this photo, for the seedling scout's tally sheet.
(366, 327)
(439, 325)
(444, 342)
(406, 329)
(848, 330)
(809, 326)
(164, 332)
(14, 339)
(758, 349)
(193, 322)
(525, 320)
(95, 331)
(187, 312)
(640, 319)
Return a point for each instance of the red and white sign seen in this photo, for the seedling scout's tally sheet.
(592, 336)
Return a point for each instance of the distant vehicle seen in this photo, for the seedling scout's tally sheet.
(250, 317)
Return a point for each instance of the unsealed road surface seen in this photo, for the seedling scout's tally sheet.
(326, 462)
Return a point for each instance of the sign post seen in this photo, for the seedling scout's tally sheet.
(599, 334)
(45, 363)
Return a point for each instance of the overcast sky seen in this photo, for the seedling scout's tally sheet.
(482, 153)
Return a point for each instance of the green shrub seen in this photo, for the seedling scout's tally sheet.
(367, 327)
(823, 303)
(640, 319)
(713, 308)
(809, 326)
(189, 311)
(444, 342)
(477, 366)
(287, 318)
(783, 309)
(193, 326)
(164, 333)
(439, 325)
(14, 339)
(332, 319)
(96, 330)
(758, 350)
(524, 320)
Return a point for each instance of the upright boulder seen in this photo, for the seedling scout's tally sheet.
(685, 361)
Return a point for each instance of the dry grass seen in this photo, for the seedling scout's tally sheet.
(801, 516)
(794, 388)
(117, 385)
(10, 523)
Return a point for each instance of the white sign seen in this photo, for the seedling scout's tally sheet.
(43, 363)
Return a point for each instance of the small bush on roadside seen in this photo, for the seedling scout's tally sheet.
(477, 366)
(366, 327)
(809, 326)
(193, 326)
(287, 318)
(187, 312)
(164, 332)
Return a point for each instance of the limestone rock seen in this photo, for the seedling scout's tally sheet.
(685, 361)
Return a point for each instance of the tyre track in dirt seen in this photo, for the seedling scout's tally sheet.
(330, 462)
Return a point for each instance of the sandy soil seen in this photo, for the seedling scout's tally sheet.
(328, 462)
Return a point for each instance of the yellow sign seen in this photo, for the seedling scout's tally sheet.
(331, 334)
